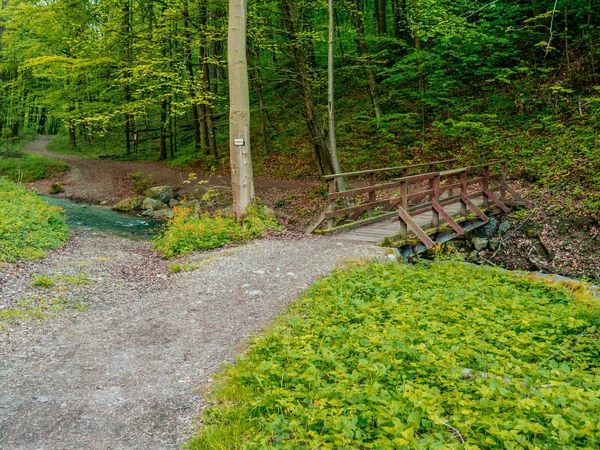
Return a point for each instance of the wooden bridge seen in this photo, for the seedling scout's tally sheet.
(428, 204)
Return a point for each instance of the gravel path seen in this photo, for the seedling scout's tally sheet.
(126, 373)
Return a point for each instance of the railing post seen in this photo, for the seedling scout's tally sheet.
(372, 194)
(435, 216)
(451, 179)
(404, 205)
(331, 206)
(463, 192)
(431, 169)
(503, 182)
(486, 186)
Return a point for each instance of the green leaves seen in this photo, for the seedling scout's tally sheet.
(28, 225)
(440, 356)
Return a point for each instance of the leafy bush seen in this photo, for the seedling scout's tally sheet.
(187, 232)
(141, 182)
(27, 168)
(28, 225)
(441, 356)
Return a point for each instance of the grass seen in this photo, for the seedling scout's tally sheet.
(438, 356)
(183, 267)
(28, 225)
(62, 281)
(187, 232)
(36, 307)
(26, 168)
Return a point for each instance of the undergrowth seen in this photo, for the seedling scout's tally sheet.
(187, 231)
(28, 225)
(436, 356)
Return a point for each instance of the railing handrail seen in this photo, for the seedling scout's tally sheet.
(385, 169)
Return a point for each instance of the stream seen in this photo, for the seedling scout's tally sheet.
(81, 216)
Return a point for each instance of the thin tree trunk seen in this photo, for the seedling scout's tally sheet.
(205, 79)
(126, 24)
(318, 142)
(187, 57)
(362, 49)
(330, 98)
(242, 180)
(162, 145)
(381, 17)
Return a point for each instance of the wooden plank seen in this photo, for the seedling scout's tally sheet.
(380, 187)
(407, 219)
(514, 193)
(359, 223)
(474, 208)
(315, 223)
(386, 169)
(456, 227)
(497, 201)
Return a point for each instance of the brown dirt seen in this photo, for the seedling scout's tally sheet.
(98, 181)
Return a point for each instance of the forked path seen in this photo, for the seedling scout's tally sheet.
(107, 180)
(126, 373)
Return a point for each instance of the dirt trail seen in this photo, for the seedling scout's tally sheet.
(106, 180)
(126, 373)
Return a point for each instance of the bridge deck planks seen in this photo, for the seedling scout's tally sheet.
(377, 232)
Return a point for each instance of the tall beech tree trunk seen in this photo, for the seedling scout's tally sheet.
(330, 97)
(242, 180)
(318, 141)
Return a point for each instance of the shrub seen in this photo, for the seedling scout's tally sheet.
(423, 357)
(141, 182)
(28, 225)
(187, 232)
(27, 168)
(56, 188)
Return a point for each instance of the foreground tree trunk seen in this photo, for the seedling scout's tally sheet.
(242, 181)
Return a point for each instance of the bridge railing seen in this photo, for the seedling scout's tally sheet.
(412, 195)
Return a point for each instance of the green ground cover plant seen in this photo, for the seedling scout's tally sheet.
(27, 168)
(62, 281)
(438, 356)
(28, 225)
(187, 231)
(36, 307)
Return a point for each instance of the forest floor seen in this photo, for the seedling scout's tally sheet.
(99, 181)
(124, 371)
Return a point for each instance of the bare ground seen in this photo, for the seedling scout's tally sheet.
(126, 373)
(99, 181)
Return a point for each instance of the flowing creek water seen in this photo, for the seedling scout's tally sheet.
(81, 216)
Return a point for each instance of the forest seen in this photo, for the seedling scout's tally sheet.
(425, 77)
(293, 224)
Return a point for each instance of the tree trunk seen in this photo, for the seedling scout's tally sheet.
(189, 69)
(126, 30)
(242, 180)
(318, 142)
(72, 136)
(362, 49)
(256, 79)
(330, 98)
(381, 17)
(162, 144)
(205, 79)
